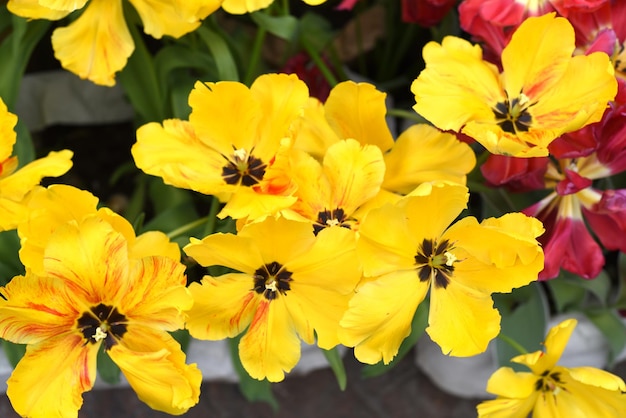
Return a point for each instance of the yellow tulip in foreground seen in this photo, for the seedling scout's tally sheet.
(542, 93)
(289, 285)
(92, 296)
(553, 391)
(409, 249)
(234, 146)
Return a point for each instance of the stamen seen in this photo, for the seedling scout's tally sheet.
(99, 335)
(450, 258)
(241, 154)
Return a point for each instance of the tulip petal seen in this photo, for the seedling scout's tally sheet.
(52, 376)
(154, 365)
(380, 314)
(97, 44)
(223, 306)
(271, 346)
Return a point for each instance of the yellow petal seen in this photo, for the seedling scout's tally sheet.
(495, 256)
(313, 134)
(456, 86)
(570, 104)
(279, 240)
(380, 314)
(51, 378)
(90, 257)
(49, 208)
(324, 278)
(70, 5)
(282, 98)
(166, 18)
(537, 55)
(223, 306)
(429, 215)
(462, 320)
(157, 294)
(247, 203)
(597, 377)
(154, 365)
(36, 9)
(421, 154)
(506, 408)
(314, 188)
(271, 346)
(237, 252)
(355, 172)
(579, 400)
(34, 309)
(555, 343)
(225, 115)
(14, 188)
(506, 382)
(7, 135)
(174, 152)
(23, 180)
(365, 121)
(239, 7)
(330, 262)
(97, 44)
(154, 243)
(386, 243)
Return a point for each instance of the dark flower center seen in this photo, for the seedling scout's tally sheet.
(328, 218)
(102, 323)
(435, 261)
(271, 279)
(243, 168)
(549, 382)
(512, 115)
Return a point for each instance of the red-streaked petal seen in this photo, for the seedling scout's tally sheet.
(50, 379)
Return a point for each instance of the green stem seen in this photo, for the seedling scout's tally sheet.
(319, 62)
(406, 114)
(510, 341)
(187, 227)
(255, 55)
(212, 216)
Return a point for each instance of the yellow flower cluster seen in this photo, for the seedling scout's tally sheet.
(333, 247)
(343, 231)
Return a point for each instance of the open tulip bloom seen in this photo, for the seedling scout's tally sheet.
(409, 249)
(537, 97)
(550, 390)
(93, 296)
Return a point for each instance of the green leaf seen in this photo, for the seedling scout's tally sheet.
(140, 83)
(610, 323)
(15, 51)
(107, 369)
(24, 148)
(418, 325)
(182, 337)
(524, 317)
(336, 364)
(10, 264)
(14, 352)
(284, 27)
(315, 31)
(253, 390)
(224, 60)
(566, 294)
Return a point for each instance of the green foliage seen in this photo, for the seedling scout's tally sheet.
(524, 317)
(336, 364)
(253, 390)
